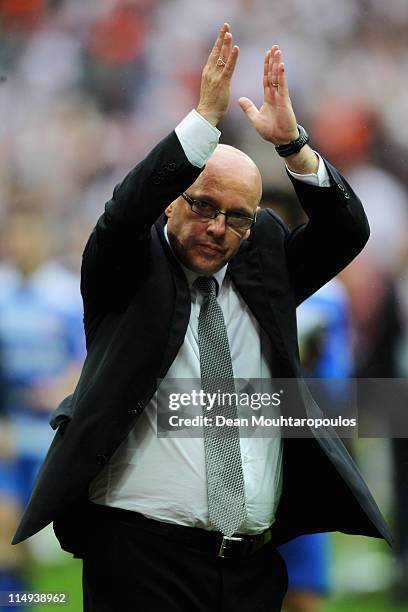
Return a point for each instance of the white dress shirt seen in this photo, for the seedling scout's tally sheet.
(165, 478)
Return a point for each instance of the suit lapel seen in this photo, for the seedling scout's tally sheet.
(181, 304)
(246, 271)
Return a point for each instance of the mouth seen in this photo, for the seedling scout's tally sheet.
(210, 248)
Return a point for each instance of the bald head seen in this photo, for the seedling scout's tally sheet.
(229, 167)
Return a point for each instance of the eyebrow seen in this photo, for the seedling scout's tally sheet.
(212, 201)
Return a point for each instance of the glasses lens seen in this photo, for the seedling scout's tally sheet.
(239, 223)
(204, 209)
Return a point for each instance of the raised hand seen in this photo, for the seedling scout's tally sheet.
(215, 93)
(275, 121)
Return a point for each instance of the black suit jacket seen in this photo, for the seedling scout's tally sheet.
(136, 309)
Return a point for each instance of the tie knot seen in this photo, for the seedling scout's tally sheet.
(206, 285)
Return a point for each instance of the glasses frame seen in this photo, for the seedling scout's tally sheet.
(191, 201)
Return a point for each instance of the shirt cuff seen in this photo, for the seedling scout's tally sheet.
(319, 179)
(198, 138)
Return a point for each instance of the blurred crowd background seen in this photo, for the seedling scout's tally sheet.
(86, 89)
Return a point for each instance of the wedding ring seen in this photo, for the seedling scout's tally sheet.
(220, 62)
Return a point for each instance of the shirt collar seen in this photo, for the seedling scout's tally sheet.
(190, 275)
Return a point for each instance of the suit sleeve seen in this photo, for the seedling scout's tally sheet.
(116, 249)
(335, 233)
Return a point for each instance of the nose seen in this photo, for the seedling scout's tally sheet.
(216, 227)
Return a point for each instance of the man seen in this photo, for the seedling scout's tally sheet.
(202, 291)
(42, 351)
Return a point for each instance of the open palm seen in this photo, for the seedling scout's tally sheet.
(275, 121)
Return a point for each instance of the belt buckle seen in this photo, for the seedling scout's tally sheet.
(224, 544)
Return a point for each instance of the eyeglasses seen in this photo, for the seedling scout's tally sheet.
(234, 220)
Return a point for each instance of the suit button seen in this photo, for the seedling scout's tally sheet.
(170, 166)
(139, 407)
(343, 191)
(101, 459)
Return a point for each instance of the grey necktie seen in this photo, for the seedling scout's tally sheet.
(225, 479)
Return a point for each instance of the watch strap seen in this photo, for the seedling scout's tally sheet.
(295, 145)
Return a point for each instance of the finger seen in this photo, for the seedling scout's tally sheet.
(268, 94)
(226, 46)
(266, 68)
(249, 108)
(273, 79)
(283, 88)
(225, 50)
(273, 66)
(232, 62)
(216, 50)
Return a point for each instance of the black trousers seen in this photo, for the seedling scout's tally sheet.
(129, 569)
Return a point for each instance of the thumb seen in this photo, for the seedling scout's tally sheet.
(249, 108)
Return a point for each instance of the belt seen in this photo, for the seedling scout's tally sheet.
(238, 546)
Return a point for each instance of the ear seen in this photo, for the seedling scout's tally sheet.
(169, 210)
(247, 233)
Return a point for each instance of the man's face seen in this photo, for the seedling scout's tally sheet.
(206, 245)
(27, 241)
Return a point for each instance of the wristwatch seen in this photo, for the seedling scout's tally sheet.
(295, 145)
